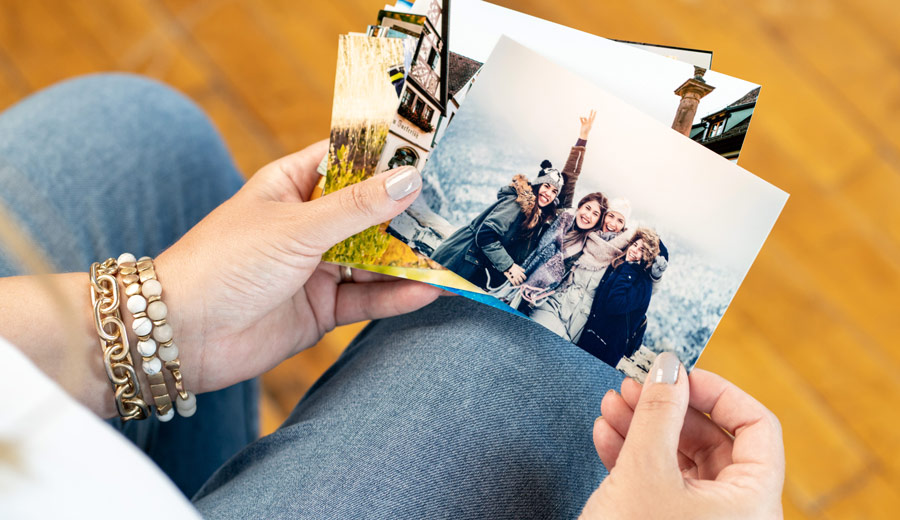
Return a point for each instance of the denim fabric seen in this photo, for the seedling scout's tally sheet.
(458, 410)
(104, 164)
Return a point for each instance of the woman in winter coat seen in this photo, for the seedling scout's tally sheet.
(565, 312)
(617, 320)
(556, 252)
(491, 249)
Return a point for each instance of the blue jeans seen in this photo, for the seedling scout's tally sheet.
(105, 164)
(458, 410)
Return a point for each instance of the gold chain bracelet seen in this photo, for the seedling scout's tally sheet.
(114, 341)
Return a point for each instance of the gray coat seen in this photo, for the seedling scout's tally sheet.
(489, 245)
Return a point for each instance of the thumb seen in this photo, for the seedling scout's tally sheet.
(348, 211)
(652, 439)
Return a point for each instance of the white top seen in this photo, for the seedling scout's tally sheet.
(58, 459)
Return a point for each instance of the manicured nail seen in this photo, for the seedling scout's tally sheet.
(665, 368)
(403, 182)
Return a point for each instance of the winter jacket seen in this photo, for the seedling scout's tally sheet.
(489, 245)
(545, 266)
(493, 241)
(616, 322)
(570, 305)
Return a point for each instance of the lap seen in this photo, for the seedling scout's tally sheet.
(457, 410)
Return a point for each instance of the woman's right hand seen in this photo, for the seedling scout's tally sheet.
(246, 286)
(667, 459)
(515, 274)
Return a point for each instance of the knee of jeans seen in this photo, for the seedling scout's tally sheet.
(119, 114)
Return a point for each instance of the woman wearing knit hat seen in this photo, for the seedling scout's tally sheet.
(491, 249)
(566, 311)
(557, 250)
(617, 215)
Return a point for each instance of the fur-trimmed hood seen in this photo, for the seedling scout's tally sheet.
(524, 193)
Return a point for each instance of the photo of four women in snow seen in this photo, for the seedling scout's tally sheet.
(586, 272)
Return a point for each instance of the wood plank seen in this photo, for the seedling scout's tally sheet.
(850, 65)
(873, 190)
(816, 225)
(880, 18)
(43, 46)
(833, 360)
(12, 85)
(822, 454)
(874, 498)
(274, 86)
(139, 42)
(250, 150)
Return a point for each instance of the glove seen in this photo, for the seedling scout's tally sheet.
(659, 267)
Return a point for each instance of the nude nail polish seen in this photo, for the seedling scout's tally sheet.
(665, 369)
(403, 182)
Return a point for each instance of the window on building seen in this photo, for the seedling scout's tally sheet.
(420, 106)
(434, 59)
(408, 99)
(403, 157)
(426, 115)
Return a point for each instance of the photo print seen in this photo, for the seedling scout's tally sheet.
(589, 216)
(710, 108)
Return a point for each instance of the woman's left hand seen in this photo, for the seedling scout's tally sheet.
(246, 287)
(668, 459)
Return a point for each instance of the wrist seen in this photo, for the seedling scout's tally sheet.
(183, 317)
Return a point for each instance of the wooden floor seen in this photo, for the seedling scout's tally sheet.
(813, 330)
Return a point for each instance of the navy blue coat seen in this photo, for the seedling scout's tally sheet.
(617, 313)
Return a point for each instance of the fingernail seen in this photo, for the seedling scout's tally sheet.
(403, 182)
(665, 368)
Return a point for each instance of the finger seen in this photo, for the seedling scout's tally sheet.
(608, 442)
(298, 167)
(652, 440)
(330, 219)
(758, 444)
(701, 440)
(371, 301)
(617, 412)
(357, 275)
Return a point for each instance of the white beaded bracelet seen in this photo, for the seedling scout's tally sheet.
(142, 327)
(156, 313)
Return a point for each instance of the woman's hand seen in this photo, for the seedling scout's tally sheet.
(669, 460)
(515, 274)
(586, 124)
(246, 288)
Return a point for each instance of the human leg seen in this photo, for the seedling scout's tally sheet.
(100, 165)
(455, 411)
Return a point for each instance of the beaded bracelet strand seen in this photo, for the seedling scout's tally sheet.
(156, 313)
(146, 346)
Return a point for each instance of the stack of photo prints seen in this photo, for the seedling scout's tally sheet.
(586, 184)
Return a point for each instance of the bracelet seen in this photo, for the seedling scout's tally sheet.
(146, 346)
(114, 343)
(186, 402)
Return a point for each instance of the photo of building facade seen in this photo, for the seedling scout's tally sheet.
(435, 85)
